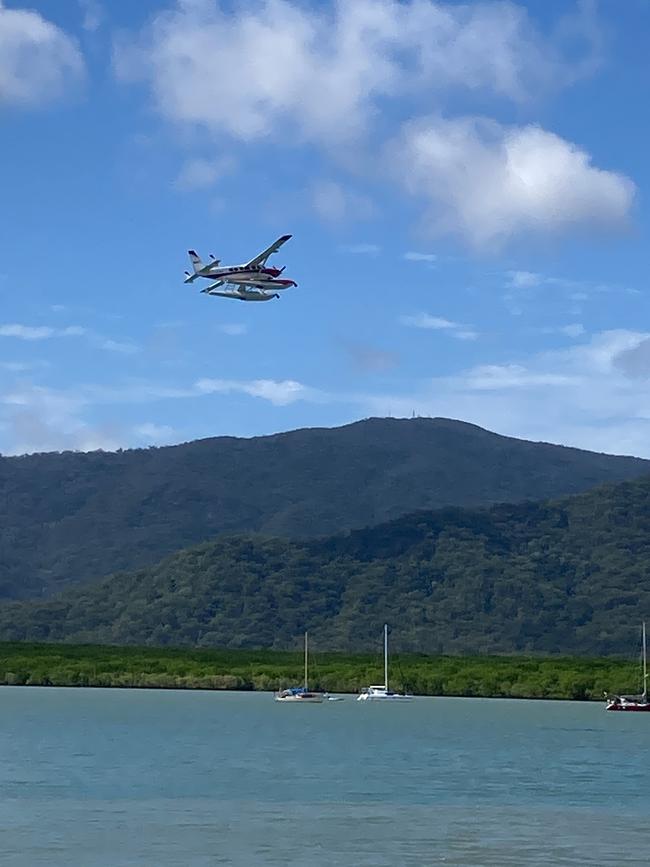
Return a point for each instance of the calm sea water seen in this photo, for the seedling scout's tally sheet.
(109, 778)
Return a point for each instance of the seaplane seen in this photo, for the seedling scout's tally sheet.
(251, 281)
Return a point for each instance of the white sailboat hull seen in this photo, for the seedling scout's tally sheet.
(301, 694)
(633, 703)
(380, 693)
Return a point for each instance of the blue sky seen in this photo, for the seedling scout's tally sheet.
(465, 184)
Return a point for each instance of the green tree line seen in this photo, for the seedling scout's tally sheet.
(180, 668)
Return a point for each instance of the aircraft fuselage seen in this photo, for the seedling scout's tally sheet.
(239, 273)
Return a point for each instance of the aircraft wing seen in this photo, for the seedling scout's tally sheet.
(261, 258)
(212, 286)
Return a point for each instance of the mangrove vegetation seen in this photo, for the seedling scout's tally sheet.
(181, 668)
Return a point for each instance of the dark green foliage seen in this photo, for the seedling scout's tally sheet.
(569, 577)
(69, 518)
(171, 668)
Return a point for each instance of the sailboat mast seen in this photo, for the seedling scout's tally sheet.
(306, 656)
(645, 667)
(386, 656)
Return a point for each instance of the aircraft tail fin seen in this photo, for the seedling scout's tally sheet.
(195, 259)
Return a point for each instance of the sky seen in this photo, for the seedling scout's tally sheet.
(465, 184)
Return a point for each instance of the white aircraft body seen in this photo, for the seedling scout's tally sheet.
(255, 270)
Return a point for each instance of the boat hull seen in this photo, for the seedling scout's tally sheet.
(629, 708)
(638, 703)
(310, 698)
(380, 693)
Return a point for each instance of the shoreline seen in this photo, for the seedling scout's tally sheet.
(210, 669)
(270, 692)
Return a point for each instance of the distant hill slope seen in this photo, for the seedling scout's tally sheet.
(68, 518)
(571, 576)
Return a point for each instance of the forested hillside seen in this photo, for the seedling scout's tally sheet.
(70, 518)
(570, 577)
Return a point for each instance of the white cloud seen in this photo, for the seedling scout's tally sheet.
(425, 320)
(574, 329)
(22, 366)
(117, 346)
(634, 360)
(36, 396)
(38, 418)
(412, 256)
(14, 366)
(279, 393)
(325, 74)
(322, 73)
(497, 377)
(524, 279)
(39, 62)
(155, 434)
(438, 323)
(489, 183)
(93, 15)
(531, 288)
(334, 202)
(362, 249)
(134, 391)
(234, 329)
(46, 332)
(591, 395)
(39, 332)
(31, 431)
(26, 332)
(197, 174)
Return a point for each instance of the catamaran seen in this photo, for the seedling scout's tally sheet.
(633, 702)
(382, 693)
(301, 693)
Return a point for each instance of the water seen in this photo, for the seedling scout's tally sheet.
(110, 778)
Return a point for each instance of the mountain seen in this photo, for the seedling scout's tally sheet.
(571, 577)
(72, 517)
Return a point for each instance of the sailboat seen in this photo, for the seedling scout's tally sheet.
(301, 693)
(633, 702)
(382, 693)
